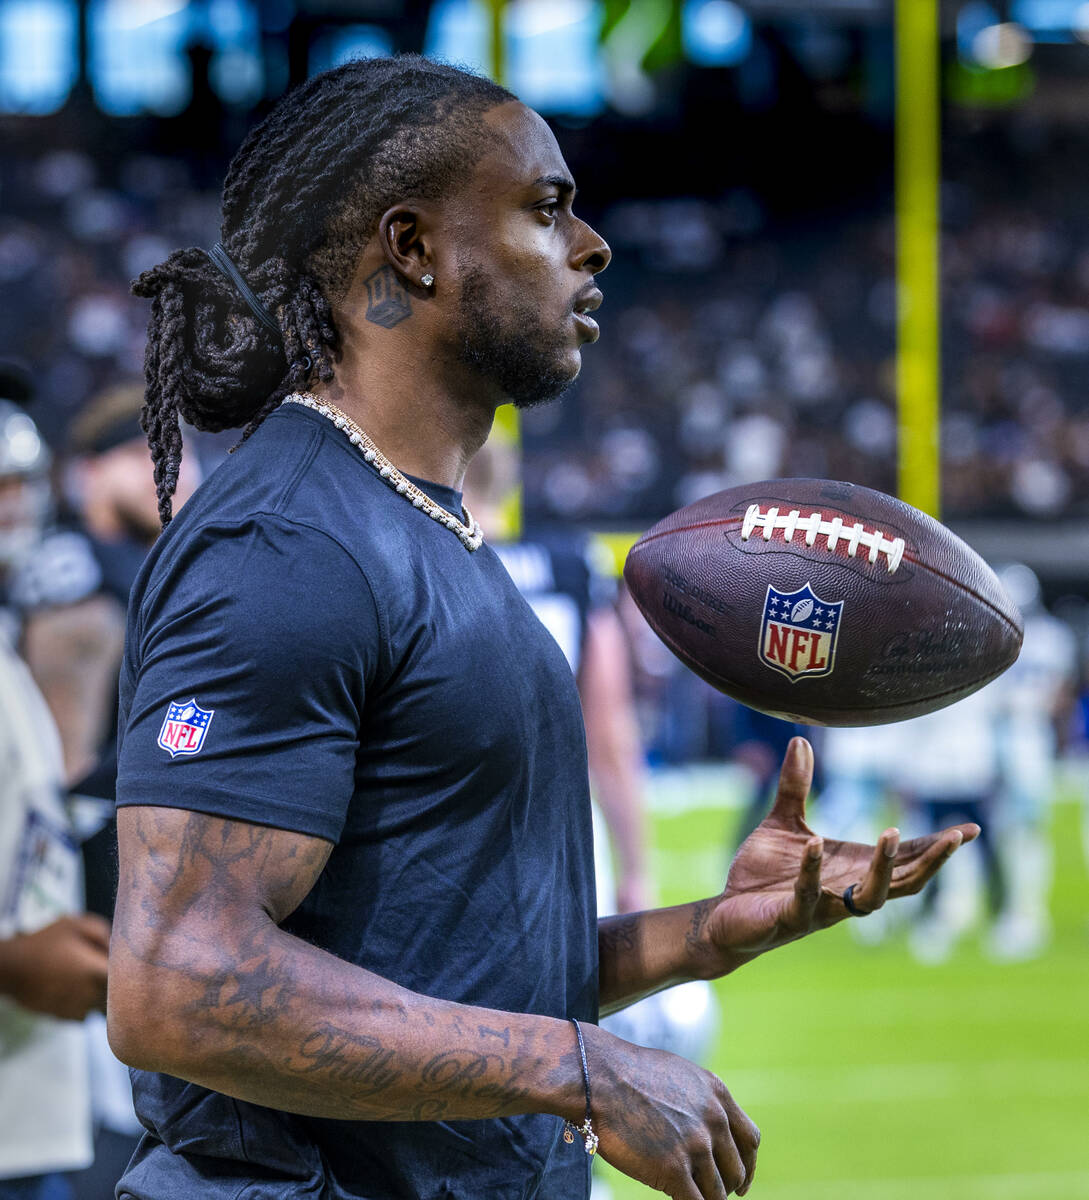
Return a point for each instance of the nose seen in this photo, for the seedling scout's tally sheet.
(593, 253)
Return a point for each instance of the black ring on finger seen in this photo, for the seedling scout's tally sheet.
(849, 902)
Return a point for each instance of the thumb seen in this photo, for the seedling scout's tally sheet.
(795, 780)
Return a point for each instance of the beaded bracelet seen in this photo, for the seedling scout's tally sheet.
(586, 1129)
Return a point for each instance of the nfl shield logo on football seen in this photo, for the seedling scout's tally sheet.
(185, 727)
(799, 632)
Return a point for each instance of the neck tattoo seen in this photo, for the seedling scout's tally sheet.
(468, 533)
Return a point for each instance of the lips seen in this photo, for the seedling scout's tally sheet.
(588, 301)
(585, 304)
(588, 325)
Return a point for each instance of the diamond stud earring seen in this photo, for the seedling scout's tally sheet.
(428, 279)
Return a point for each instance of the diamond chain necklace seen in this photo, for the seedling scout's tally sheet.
(469, 534)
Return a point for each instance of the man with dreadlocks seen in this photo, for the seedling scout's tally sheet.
(355, 950)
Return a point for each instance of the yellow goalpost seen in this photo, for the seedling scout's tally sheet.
(918, 357)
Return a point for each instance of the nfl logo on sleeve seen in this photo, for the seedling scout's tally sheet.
(799, 632)
(185, 727)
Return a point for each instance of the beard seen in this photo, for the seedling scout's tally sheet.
(509, 344)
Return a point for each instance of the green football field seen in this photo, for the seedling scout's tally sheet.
(875, 1078)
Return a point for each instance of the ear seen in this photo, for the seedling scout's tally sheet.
(406, 234)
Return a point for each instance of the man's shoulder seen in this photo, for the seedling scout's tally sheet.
(297, 502)
(289, 479)
(298, 467)
(260, 552)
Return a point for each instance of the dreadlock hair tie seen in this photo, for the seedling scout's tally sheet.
(221, 260)
(224, 264)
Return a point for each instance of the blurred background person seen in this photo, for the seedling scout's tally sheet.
(69, 570)
(109, 487)
(73, 592)
(50, 585)
(53, 955)
(68, 631)
(863, 777)
(111, 510)
(1035, 704)
(947, 762)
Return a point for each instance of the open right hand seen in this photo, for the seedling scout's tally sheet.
(668, 1123)
(59, 970)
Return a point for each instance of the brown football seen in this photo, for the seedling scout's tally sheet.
(823, 602)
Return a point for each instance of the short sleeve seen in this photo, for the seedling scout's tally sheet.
(250, 653)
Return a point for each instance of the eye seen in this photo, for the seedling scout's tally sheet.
(550, 209)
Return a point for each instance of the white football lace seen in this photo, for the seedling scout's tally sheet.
(815, 526)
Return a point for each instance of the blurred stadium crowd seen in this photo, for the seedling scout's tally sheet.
(735, 349)
(738, 351)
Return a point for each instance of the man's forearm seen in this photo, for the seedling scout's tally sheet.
(275, 1021)
(644, 952)
(206, 985)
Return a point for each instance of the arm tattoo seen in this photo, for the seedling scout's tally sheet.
(354, 1058)
(387, 301)
(263, 1015)
(640, 953)
(693, 937)
(617, 935)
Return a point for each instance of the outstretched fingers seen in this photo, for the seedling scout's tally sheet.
(917, 847)
(913, 876)
(807, 886)
(872, 893)
(795, 780)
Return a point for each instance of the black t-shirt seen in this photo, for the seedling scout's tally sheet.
(307, 650)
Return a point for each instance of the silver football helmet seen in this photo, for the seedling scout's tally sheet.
(26, 494)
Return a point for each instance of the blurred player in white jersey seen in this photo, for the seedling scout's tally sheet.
(933, 767)
(949, 764)
(53, 957)
(862, 774)
(1034, 702)
(64, 583)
